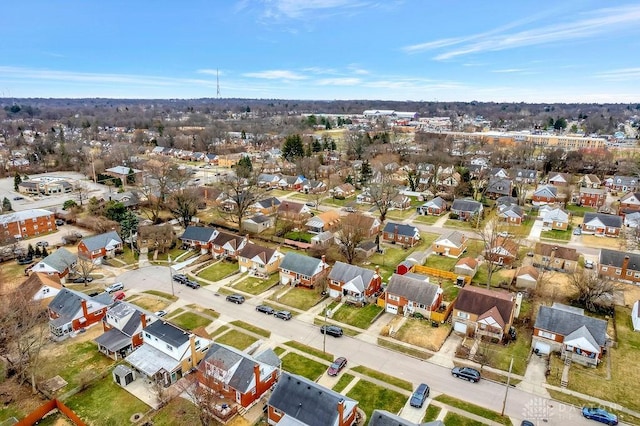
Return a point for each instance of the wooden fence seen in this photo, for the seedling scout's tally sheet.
(439, 273)
(441, 317)
(37, 414)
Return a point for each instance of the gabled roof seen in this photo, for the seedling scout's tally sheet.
(226, 238)
(291, 207)
(168, 333)
(560, 177)
(630, 198)
(251, 250)
(546, 191)
(476, 300)
(625, 180)
(608, 220)
(435, 202)
(258, 218)
(616, 259)
(344, 272)
(23, 215)
(466, 205)
(101, 241)
(59, 260)
(499, 186)
(68, 302)
(32, 285)
(404, 230)
(492, 314)
(555, 215)
(305, 265)
(528, 270)
(198, 233)
(307, 401)
(561, 252)
(512, 210)
(560, 320)
(453, 238)
(268, 203)
(506, 244)
(413, 289)
(468, 261)
(525, 174)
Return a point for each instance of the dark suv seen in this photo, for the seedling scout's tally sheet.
(265, 309)
(235, 298)
(331, 330)
(467, 373)
(181, 278)
(192, 284)
(419, 396)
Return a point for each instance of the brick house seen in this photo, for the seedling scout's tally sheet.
(602, 224)
(407, 295)
(451, 245)
(625, 184)
(296, 400)
(227, 245)
(398, 233)
(619, 265)
(343, 191)
(122, 326)
(72, 310)
(513, 214)
(353, 283)
(592, 197)
(98, 247)
(257, 259)
(503, 251)
(545, 195)
(237, 375)
(466, 209)
(434, 207)
(325, 221)
(368, 226)
(498, 187)
(568, 330)
(629, 203)
(556, 218)
(266, 206)
(484, 312)
(557, 258)
(293, 212)
(560, 179)
(199, 237)
(298, 269)
(27, 223)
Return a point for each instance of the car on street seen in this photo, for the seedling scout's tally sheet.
(600, 415)
(18, 198)
(161, 313)
(331, 330)
(192, 284)
(181, 278)
(80, 280)
(265, 309)
(235, 298)
(310, 204)
(467, 373)
(283, 315)
(115, 287)
(588, 264)
(42, 244)
(59, 222)
(349, 209)
(577, 231)
(419, 396)
(337, 366)
(526, 423)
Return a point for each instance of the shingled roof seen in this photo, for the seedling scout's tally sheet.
(304, 265)
(413, 289)
(564, 320)
(476, 300)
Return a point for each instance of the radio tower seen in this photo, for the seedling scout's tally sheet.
(217, 84)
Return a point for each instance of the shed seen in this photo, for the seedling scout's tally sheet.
(123, 375)
(527, 277)
(404, 267)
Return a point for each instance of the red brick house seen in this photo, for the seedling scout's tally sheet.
(629, 203)
(353, 283)
(407, 295)
(560, 179)
(300, 401)
(592, 197)
(399, 233)
(226, 245)
(545, 195)
(27, 223)
(502, 252)
(434, 207)
(72, 310)
(237, 375)
(602, 224)
(98, 247)
(482, 311)
(298, 269)
(619, 265)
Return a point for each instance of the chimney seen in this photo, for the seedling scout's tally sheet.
(143, 320)
(83, 303)
(395, 233)
(377, 270)
(324, 261)
(341, 411)
(192, 345)
(256, 374)
(625, 265)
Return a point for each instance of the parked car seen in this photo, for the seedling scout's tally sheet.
(115, 287)
(337, 366)
(331, 330)
(25, 260)
(588, 264)
(42, 244)
(265, 309)
(513, 334)
(192, 284)
(310, 204)
(577, 231)
(119, 295)
(600, 415)
(526, 423)
(467, 373)
(419, 395)
(349, 209)
(161, 313)
(59, 222)
(284, 315)
(80, 280)
(181, 278)
(235, 298)
(18, 198)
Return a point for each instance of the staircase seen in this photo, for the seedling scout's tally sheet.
(564, 382)
(473, 350)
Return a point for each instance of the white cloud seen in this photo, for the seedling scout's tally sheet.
(276, 75)
(299, 9)
(208, 71)
(510, 70)
(621, 74)
(345, 81)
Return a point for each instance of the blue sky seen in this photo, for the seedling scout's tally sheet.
(430, 50)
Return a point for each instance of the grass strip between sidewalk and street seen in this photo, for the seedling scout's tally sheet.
(310, 350)
(252, 328)
(473, 409)
(162, 294)
(395, 381)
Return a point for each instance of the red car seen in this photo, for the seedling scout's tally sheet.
(337, 366)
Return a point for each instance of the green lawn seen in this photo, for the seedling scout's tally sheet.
(218, 271)
(400, 214)
(461, 224)
(474, 409)
(237, 339)
(253, 285)
(416, 353)
(441, 262)
(162, 294)
(299, 236)
(106, 403)
(177, 411)
(343, 381)
(431, 414)
(371, 397)
(218, 331)
(579, 210)
(129, 257)
(252, 328)
(356, 316)
(303, 366)
(428, 220)
(555, 234)
(298, 297)
(190, 321)
(337, 202)
(499, 355)
(310, 350)
(392, 380)
(458, 420)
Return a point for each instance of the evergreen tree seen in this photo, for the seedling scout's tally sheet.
(37, 252)
(316, 146)
(293, 148)
(131, 177)
(6, 205)
(30, 251)
(17, 180)
(244, 167)
(45, 253)
(365, 172)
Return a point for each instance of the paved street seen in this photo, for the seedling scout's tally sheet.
(520, 403)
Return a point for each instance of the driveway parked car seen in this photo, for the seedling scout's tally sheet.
(80, 280)
(419, 396)
(115, 287)
(284, 315)
(337, 366)
(59, 222)
(235, 298)
(577, 231)
(25, 260)
(18, 198)
(42, 244)
(467, 373)
(331, 330)
(265, 309)
(192, 284)
(588, 264)
(600, 415)
(161, 313)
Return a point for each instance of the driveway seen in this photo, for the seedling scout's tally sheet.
(536, 229)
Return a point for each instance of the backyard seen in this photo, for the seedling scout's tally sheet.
(218, 271)
(393, 255)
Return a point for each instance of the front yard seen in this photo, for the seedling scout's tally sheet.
(555, 234)
(190, 321)
(356, 316)
(421, 333)
(297, 297)
(498, 355)
(371, 397)
(218, 271)
(255, 286)
(427, 219)
(237, 339)
(303, 366)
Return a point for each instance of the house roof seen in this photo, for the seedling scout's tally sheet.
(546, 191)
(168, 333)
(556, 215)
(100, 241)
(268, 203)
(344, 272)
(499, 186)
(150, 360)
(528, 270)
(562, 252)
(307, 401)
(122, 170)
(476, 300)
(456, 238)
(625, 180)
(467, 261)
(251, 250)
(616, 258)
(405, 230)
(582, 338)
(291, 207)
(506, 244)
(506, 200)
(560, 177)
(68, 302)
(198, 233)
(59, 260)
(608, 220)
(435, 202)
(465, 205)
(305, 265)
(23, 215)
(512, 210)
(413, 289)
(113, 339)
(493, 314)
(128, 198)
(224, 237)
(32, 285)
(560, 320)
(259, 218)
(630, 198)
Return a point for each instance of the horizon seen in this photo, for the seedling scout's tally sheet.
(325, 50)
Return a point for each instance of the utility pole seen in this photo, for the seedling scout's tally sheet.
(506, 390)
(170, 275)
(324, 335)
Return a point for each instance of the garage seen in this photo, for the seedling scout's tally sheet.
(542, 348)
(460, 327)
(392, 309)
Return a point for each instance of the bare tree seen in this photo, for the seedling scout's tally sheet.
(84, 267)
(156, 237)
(162, 177)
(183, 204)
(494, 238)
(81, 190)
(382, 192)
(241, 193)
(352, 233)
(593, 292)
(203, 395)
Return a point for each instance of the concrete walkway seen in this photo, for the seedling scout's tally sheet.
(535, 376)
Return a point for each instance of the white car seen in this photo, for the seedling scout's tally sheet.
(115, 287)
(161, 313)
(588, 264)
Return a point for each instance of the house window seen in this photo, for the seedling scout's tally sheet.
(618, 271)
(636, 275)
(629, 273)
(394, 298)
(463, 315)
(546, 335)
(604, 268)
(147, 335)
(170, 347)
